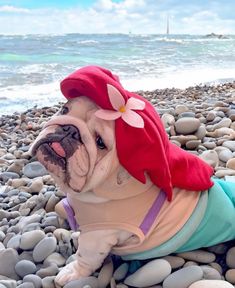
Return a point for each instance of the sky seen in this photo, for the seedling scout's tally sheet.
(117, 16)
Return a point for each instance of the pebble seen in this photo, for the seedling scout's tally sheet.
(36, 280)
(183, 278)
(181, 109)
(198, 256)
(154, 272)
(230, 276)
(56, 258)
(121, 272)
(14, 242)
(25, 267)
(231, 163)
(201, 132)
(81, 283)
(230, 258)
(230, 145)
(44, 248)
(8, 283)
(210, 273)
(5, 176)
(10, 258)
(105, 274)
(211, 284)
(50, 270)
(225, 155)
(175, 261)
(48, 282)
(187, 125)
(26, 285)
(34, 169)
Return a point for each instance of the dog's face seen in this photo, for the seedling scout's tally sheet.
(78, 149)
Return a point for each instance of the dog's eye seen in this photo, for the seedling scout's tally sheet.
(64, 110)
(100, 143)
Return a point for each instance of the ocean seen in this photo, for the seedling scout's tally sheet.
(31, 66)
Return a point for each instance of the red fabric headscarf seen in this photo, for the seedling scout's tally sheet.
(141, 150)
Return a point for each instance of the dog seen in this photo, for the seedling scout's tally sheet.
(128, 189)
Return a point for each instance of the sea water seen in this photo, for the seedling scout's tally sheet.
(32, 66)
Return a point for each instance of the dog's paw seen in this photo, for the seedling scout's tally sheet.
(70, 272)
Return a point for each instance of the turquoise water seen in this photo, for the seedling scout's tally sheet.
(31, 66)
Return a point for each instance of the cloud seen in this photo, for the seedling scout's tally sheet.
(12, 9)
(106, 16)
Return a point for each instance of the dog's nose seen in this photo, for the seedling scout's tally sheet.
(72, 131)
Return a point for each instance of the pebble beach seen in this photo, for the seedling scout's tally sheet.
(35, 243)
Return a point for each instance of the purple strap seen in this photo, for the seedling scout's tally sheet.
(70, 213)
(153, 212)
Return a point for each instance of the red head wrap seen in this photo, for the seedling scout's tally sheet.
(141, 150)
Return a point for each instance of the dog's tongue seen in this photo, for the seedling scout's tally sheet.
(58, 149)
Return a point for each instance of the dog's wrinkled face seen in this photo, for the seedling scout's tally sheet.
(76, 147)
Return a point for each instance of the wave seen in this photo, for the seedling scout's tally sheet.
(181, 79)
(88, 42)
(22, 97)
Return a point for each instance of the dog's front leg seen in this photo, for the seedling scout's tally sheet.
(93, 248)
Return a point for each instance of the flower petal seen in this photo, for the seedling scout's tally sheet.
(115, 97)
(107, 114)
(135, 104)
(133, 119)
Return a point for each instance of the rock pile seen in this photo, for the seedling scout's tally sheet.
(35, 243)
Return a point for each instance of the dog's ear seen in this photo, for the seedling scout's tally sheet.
(120, 184)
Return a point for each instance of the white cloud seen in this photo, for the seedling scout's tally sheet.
(106, 16)
(12, 9)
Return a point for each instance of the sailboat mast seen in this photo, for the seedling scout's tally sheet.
(167, 27)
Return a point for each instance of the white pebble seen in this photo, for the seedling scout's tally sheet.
(211, 284)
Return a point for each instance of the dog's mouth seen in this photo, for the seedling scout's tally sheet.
(53, 153)
(58, 149)
(59, 146)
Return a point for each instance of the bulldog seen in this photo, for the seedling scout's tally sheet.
(127, 189)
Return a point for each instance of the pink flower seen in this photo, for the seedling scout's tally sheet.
(123, 110)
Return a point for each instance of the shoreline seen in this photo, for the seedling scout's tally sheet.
(28, 194)
(191, 92)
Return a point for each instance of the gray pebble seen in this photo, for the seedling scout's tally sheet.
(91, 281)
(34, 169)
(31, 238)
(44, 248)
(9, 257)
(26, 220)
(5, 176)
(26, 285)
(56, 258)
(210, 273)
(26, 255)
(14, 242)
(36, 280)
(120, 272)
(25, 267)
(50, 270)
(2, 236)
(48, 282)
(51, 221)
